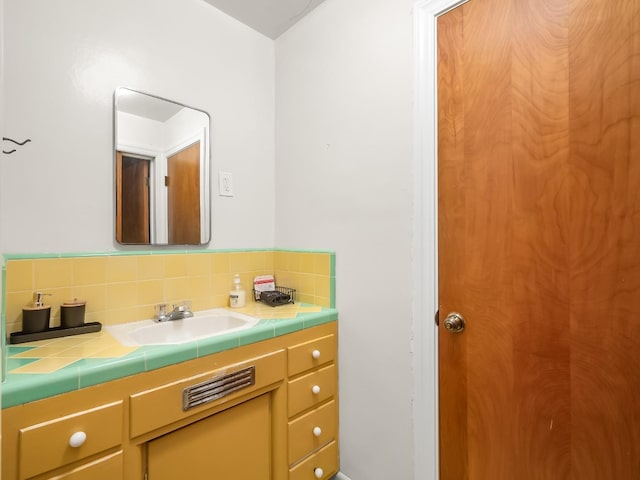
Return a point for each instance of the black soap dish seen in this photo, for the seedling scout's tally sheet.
(279, 296)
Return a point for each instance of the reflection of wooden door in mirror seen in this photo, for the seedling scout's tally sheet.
(132, 203)
(183, 196)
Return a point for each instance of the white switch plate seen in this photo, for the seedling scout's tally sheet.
(226, 184)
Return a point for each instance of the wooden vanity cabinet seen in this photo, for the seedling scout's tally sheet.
(140, 428)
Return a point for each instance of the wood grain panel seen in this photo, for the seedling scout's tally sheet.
(488, 169)
(605, 239)
(540, 269)
(539, 239)
(453, 373)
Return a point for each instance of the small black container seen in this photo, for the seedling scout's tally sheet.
(35, 319)
(72, 314)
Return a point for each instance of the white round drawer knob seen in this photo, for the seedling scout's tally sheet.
(77, 439)
(317, 431)
(316, 389)
(316, 354)
(318, 472)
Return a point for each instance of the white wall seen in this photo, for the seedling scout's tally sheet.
(344, 181)
(63, 61)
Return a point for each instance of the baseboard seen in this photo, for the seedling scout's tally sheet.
(341, 476)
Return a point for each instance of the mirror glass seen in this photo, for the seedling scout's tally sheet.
(162, 169)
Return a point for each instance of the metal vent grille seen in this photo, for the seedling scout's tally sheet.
(218, 387)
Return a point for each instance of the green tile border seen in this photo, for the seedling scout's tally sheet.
(218, 344)
(95, 371)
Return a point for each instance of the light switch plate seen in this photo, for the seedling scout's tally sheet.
(226, 184)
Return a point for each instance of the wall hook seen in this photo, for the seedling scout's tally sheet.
(7, 139)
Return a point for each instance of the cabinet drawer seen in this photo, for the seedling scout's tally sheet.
(105, 468)
(162, 406)
(312, 430)
(45, 446)
(326, 460)
(313, 388)
(308, 355)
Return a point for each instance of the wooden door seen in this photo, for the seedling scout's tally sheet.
(183, 196)
(132, 202)
(233, 444)
(539, 239)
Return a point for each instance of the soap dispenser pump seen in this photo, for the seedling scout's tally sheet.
(237, 296)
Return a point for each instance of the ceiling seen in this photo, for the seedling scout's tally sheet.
(269, 17)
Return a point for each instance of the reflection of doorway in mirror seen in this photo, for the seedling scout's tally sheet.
(132, 209)
(183, 195)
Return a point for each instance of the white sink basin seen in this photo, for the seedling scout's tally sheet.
(203, 324)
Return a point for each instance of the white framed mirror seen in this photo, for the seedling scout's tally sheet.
(162, 164)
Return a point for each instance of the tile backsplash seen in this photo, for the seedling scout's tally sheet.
(122, 287)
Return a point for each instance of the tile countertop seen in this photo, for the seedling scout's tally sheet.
(46, 368)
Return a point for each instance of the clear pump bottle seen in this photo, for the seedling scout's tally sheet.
(237, 296)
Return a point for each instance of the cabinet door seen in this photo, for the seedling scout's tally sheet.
(233, 444)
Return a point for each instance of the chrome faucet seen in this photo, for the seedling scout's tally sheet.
(180, 311)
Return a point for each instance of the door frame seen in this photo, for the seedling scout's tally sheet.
(425, 236)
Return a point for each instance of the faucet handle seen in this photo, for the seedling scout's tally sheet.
(182, 306)
(161, 310)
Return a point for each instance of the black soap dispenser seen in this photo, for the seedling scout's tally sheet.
(36, 318)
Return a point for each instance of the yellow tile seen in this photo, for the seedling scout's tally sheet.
(150, 292)
(285, 279)
(314, 309)
(305, 298)
(96, 316)
(307, 261)
(322, 301)
(51, 273)
(308, 284)
(94, 295)
(151, 267)
(238, 262)
(295, 260)
(122, 268)
(269, 261)
(220, 263)
(198, 264)
(323, 286)
(222, 284)
(175, 265)
(199, 287)
(89, 271)
(122, 295)
(14, 302)
(122, 315)
(322, 264)
(19, 276)
(176, 289)
(46, 365)
(42, 352)
(79, 351)
(220, 301)
(70, 341)
(58, 296)
(281, 261)
(13, 327)
(144, 312)
(113, 351)
(256, 261)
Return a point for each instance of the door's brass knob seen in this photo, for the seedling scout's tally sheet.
(454, 323)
